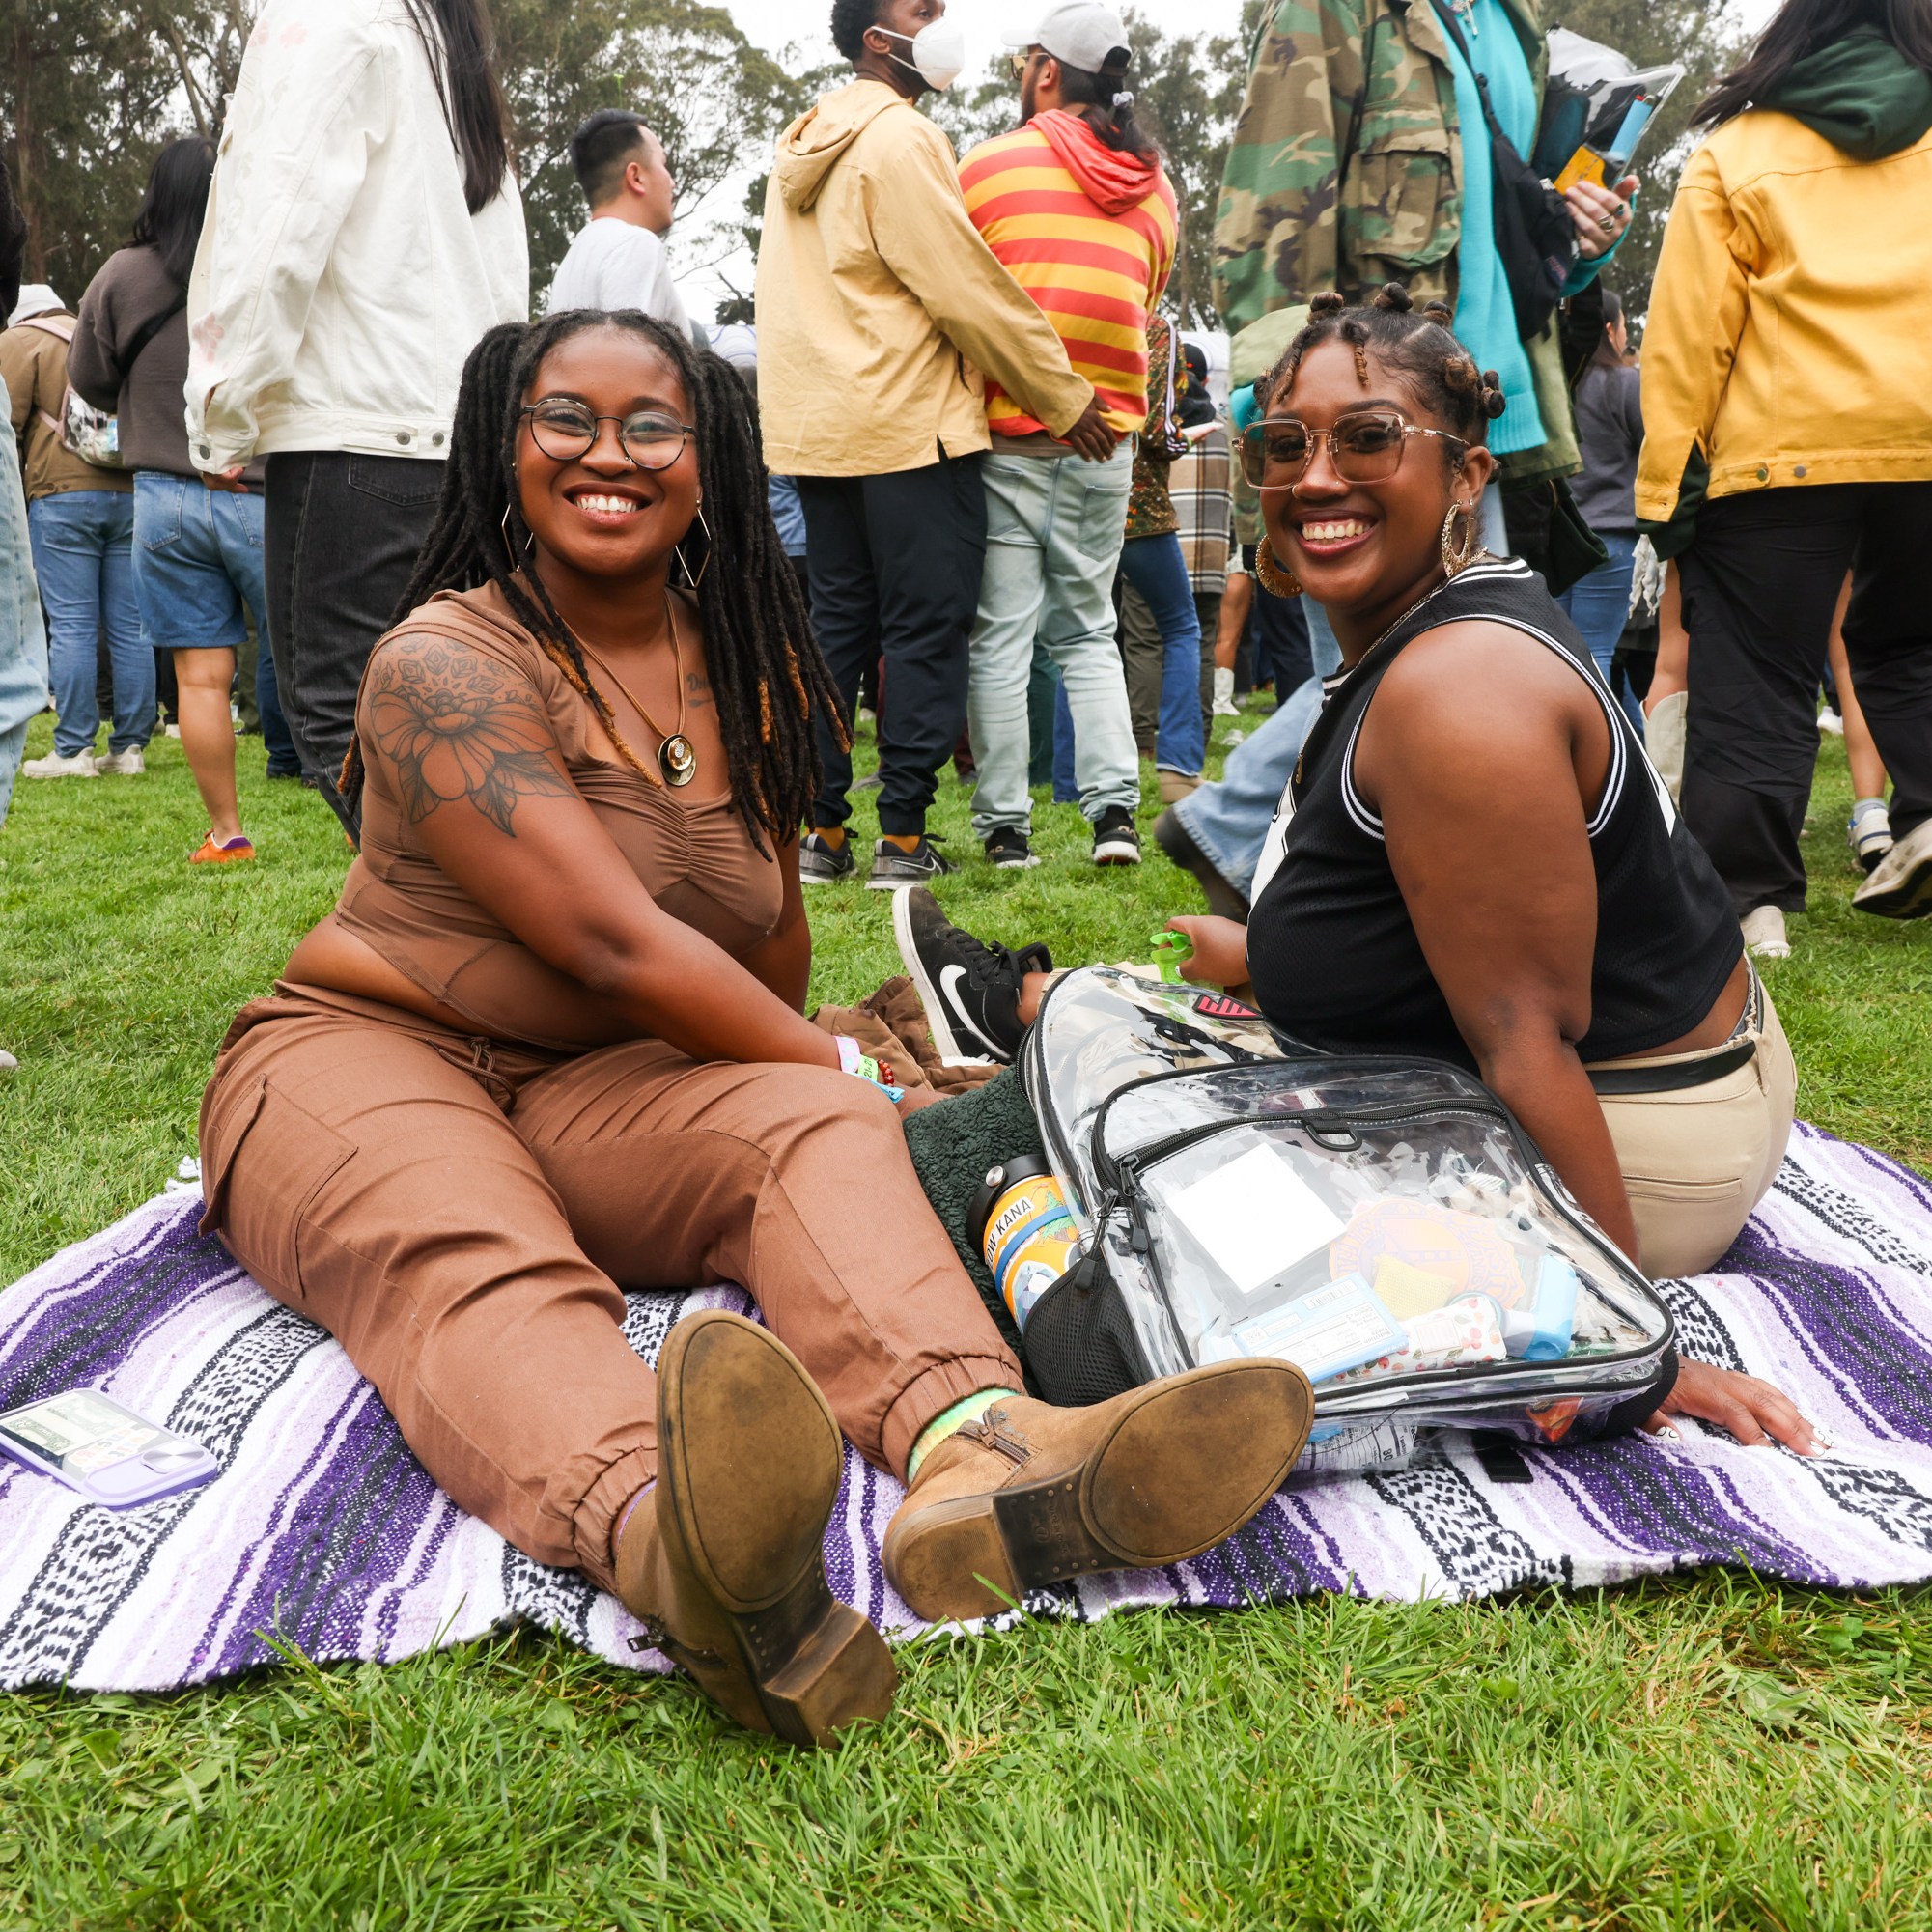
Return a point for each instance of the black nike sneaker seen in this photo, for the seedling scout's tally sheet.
(970, 989)
(1115, 840)
(823, 863)
(892, 867)
(1010, 848)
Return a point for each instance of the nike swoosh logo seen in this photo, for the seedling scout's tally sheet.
(947, 976)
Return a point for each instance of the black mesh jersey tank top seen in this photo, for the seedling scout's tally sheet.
(1334, 960)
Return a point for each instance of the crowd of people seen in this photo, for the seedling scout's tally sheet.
(568, 622)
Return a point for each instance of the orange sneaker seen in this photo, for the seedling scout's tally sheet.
(208, 853)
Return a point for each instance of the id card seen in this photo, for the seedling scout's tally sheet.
(106, 1452)
(1336, 1327)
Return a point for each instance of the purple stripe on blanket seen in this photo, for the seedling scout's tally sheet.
(83, 1332)
(323, 1531)
(338, 1532)
(1850, 1336)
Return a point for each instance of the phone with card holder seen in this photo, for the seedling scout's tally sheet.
(103, 1450)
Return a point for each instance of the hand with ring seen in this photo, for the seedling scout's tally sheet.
(1600, 214)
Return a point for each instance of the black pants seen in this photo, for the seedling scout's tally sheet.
(895, 565)
(1284, 654)
(343, 533)
(1759, 587)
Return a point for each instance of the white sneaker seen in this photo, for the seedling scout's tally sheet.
(80, 765)
(172, 731)
(1868, 832)
(128, 764)
(1831, 723)
(1900, 886)
(1764, 932)
(8, 1065)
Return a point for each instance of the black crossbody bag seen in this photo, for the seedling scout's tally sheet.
(1534, 235)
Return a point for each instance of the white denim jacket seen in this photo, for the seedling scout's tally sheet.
(341, 279)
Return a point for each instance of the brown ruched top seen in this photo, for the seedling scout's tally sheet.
(695, 859)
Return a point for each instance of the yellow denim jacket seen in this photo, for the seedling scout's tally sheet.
(1786, 342)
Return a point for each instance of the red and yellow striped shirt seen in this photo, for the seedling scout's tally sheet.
(1090, 235)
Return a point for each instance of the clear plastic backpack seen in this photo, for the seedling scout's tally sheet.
(1385, 1223)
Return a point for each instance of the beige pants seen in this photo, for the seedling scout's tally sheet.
(1697, 1162)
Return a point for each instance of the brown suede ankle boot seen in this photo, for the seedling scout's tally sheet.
(1032, 1495)
(727, 1569)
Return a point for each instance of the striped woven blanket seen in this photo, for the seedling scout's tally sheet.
(325, 1534)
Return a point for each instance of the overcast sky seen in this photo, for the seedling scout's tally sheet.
(781, 25)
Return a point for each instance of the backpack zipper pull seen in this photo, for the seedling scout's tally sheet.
(1137, 1236)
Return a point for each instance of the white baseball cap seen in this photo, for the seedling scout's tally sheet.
(1081, 32)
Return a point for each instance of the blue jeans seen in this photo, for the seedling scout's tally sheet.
(1156, 567)
(1229, 820)
(284, 761)
(1052, 541)
(199, 576)
(23, 637)
(1598, 607)
(83, 542)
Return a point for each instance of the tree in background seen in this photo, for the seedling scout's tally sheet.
(90, 88)
(709, 95)
(87, 90)
(1708, 40)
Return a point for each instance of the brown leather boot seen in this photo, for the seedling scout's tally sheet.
(1032, 1495)
(727, 1569)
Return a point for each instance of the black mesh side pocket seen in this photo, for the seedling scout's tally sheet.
(1080, 1347)
(1632, 1410)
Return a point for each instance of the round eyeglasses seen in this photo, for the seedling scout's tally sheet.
(565, 431)
(1366, 446)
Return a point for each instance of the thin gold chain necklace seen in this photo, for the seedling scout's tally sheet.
(677, 755)
(1330, 687)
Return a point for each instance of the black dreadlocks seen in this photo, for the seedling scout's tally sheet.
(762, 661)
(1415, 343)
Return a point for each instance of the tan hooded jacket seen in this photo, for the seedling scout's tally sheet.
(878, 304)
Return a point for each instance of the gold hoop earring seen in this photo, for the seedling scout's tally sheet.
(508, 546)
(690, 582)
(1456, 560)
(1273, 578)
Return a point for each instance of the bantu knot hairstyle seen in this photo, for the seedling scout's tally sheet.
(763, 664)
(1416, 343)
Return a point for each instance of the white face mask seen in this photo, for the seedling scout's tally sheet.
(938, 52)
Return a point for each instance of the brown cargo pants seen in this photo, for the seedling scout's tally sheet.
(463, 1216)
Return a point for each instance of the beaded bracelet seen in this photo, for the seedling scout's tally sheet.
(854, 1059)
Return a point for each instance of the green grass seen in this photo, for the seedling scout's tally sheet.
(1711, 1752)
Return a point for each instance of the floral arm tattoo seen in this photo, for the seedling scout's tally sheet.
(456, 725)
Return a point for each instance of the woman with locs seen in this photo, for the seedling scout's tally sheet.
(549, 1045)
(1474, 861)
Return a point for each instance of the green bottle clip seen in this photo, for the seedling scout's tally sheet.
(1171, 950)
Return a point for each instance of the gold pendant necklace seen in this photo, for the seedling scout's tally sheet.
(677, 755)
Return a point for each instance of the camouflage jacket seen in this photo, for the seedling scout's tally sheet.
(1346, 171)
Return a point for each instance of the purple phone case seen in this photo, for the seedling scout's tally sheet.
(129, 1484)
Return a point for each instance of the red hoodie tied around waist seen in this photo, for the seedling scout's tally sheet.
(1089, 234)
